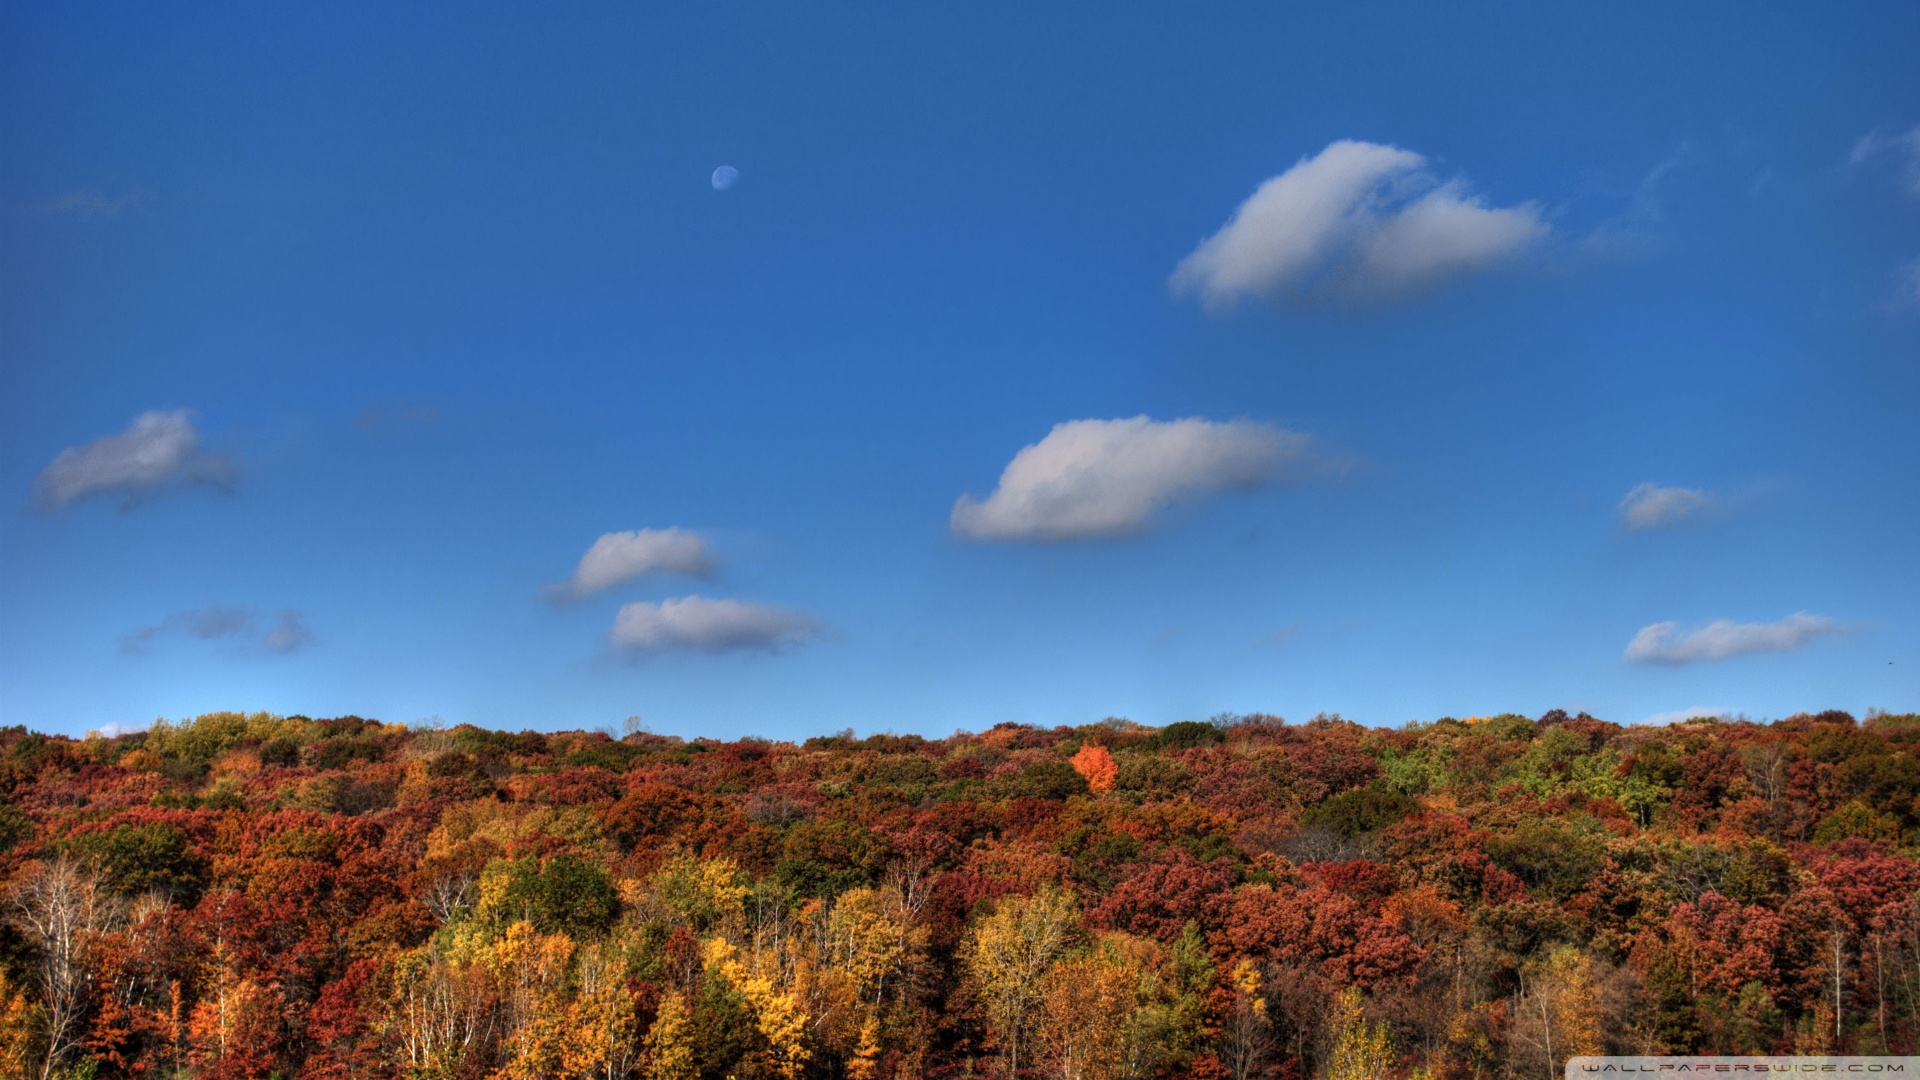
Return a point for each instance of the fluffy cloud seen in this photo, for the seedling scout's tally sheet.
(697, 624)
(1650, 506)
(1659, 643)
(288, 633)
(1356, 224)
(158, 450)
(1905, 147)
(1091, 478)
(623, 556)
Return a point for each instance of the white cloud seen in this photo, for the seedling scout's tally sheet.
(1723, 639)
(1650, 506)
(158, 450)
(622, 556)
(695, 623)
(1904, 146)
(1092, 478)
(113, 729)
(1681, 716)
(1358, 223)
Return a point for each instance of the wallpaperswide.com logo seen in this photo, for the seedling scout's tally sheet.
(1604, 1068)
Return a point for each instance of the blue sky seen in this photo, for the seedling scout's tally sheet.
(1372, 358)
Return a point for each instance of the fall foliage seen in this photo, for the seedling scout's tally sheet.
(1095, 765)
(245, 896)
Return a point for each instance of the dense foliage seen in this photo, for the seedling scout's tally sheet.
(251, 896)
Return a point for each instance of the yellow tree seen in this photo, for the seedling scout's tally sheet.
(442, 1005)
(1008, 954)
(865, 948)
(1559, 1014)
(1361, 1050)
(1087, 1009)
(701, 894)
(766, 980)
(670, 1045)
(1246, 1035)
(530, 968)
(604, 1040)
(20, 1025)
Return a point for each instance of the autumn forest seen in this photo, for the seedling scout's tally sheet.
(262, 896)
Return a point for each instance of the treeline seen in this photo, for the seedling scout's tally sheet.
(259, 896)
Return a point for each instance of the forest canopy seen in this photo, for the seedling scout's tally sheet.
(257, 896)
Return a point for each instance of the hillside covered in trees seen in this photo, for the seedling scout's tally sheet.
(258, 896)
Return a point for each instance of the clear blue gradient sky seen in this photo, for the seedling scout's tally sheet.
(421, 301)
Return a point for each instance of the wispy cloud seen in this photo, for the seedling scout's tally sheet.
(1904, 148)
(287, 633)
(1356, 224)
(158, 450)
(1651, 506)
(1279, 637)
(214, 621)
(1634, 230)
(697, 624)
(137, 639)
(90, 203)
(1661, 643)
(1092, 478)
(622, 556)
(375, 418)
(1907, 289)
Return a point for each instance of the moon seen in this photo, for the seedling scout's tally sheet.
(725, 177)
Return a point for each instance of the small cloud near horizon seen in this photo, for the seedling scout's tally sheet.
(1724, 639)
(1357, 224)
(158, 451)
(1652, 506)
(1681, 716)
(287, 634)
(1103, 478)
(619, 557)
(698, 624)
